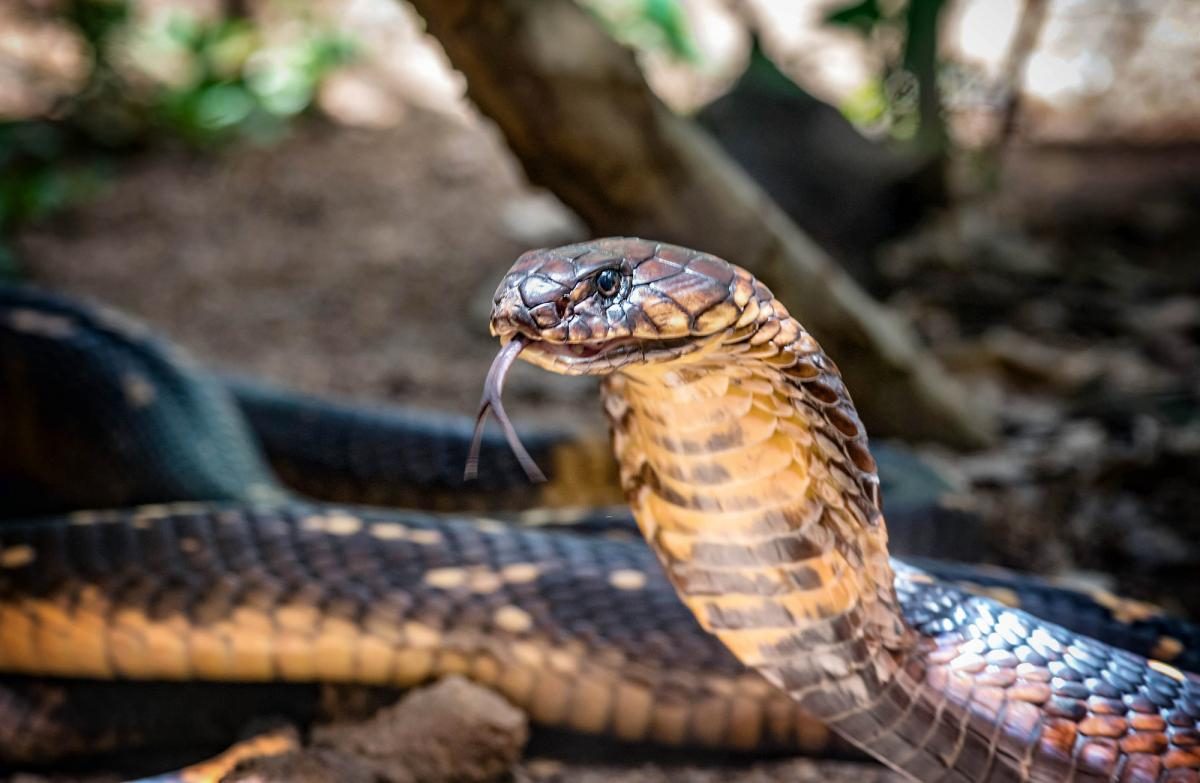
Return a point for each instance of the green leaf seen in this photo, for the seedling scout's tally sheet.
(327, 51)
(647, 26)
(670, 19)
(223, 106)
(184, 30)
(867, 104)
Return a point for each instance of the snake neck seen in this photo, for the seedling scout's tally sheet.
(746, 466)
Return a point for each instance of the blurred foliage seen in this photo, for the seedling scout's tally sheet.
(201, 81)
(228, 83)
(905, 99)
(34, 184)
(648, 25)
(39, 170)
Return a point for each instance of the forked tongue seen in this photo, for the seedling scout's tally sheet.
(492, 388)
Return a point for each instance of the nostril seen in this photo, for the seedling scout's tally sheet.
(545, 315)
(523, 318)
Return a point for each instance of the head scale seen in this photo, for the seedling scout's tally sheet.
(593, 307)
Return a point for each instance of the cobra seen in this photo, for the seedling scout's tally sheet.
(748, 471)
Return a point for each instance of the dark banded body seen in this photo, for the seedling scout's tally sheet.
(138, 422)
(102, 413)
(413, 459)
(991, 693)
(97, 411)
(581, 632)
(164, 568)
(1128, 624)
(139, 725)
(748, 471)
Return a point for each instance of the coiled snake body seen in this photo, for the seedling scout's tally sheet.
(746, 466)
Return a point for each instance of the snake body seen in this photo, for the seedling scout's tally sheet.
(748, 471)
(354, 454)
(257, 586)
(101, 412)
(582, 632)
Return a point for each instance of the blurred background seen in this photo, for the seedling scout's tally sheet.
(988, 210)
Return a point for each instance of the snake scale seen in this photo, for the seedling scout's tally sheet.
(586, 632)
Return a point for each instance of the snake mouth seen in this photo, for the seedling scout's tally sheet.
(579, 358)
(598, 358)
(557, 357)
(603, 358)
(493, 388)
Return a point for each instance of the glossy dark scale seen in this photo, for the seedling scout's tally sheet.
(582, 632)
(1153, 635)
(156, 428)
(400, 458)
(1108, 714)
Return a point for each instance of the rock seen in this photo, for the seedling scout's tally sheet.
(315, 765)
(451, 731)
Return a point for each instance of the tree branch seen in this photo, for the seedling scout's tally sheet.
(578, 114)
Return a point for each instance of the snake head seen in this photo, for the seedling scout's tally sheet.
(594, 307)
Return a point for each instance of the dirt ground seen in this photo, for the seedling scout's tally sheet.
(342, 262)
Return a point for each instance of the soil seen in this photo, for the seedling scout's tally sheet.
(451, 732)
(341, 262)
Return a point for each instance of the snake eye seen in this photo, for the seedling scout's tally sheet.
(608, 282)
